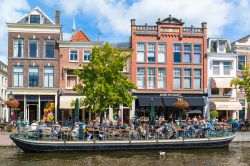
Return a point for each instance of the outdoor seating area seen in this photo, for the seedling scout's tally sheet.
(137, 130)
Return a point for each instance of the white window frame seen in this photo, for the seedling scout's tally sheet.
(14, 47)
(66, 82)
(89, 55)
(77, 55)
(45, 48)
(141, 51)
(35, 15)
(37, 51)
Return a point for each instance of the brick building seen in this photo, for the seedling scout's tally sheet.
(73, 55)
(169, 63)
(241, 48)
(33, 63)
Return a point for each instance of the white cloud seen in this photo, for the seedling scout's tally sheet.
(114, 15)
(11, 11)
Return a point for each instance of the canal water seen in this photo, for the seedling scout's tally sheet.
(238, 154)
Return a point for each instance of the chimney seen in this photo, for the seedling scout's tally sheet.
(57, 17)
(204, 25)
(132, 22)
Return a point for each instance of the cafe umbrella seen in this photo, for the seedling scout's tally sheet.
(77, 110)
(151, 112)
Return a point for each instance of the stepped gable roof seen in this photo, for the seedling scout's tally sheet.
(170, 20)
(80, 36)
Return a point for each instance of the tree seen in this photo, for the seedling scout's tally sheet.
(244, 82)
(104, 83)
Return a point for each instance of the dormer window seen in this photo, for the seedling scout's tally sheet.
(221, 46)
(34, 19)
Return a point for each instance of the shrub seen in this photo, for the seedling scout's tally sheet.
(214, 114)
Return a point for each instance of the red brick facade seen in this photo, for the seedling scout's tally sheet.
(169, 31)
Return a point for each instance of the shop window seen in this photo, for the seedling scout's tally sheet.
(227, 92)
(215, 91)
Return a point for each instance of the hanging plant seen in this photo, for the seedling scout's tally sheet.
(13, 103)
(181, 104)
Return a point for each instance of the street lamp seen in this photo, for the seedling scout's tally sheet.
(180, 98)
(10, 98)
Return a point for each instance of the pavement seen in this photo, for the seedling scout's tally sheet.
(5, 140)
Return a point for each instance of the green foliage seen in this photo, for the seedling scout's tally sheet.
(105, 85)
(212, 46)
(228, 48)
(214, 114)
(244, 82)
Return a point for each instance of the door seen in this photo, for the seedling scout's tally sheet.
(32, 110)
(242, 114)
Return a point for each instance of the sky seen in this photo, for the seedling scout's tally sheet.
(226, 18)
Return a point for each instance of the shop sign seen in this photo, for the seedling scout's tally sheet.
(170, 94)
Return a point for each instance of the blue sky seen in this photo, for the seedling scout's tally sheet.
(226, 18)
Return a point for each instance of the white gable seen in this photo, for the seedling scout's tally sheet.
(36, 11)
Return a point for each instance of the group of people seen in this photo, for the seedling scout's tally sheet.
(97, 129)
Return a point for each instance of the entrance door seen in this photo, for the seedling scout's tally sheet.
(242, 114)
(32, 110)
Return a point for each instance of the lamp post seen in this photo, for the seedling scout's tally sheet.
(180, 98)
(133, 104)
(10, 98)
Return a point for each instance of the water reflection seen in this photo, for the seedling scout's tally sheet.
(236, 154)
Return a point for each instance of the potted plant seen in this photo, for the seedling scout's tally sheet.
(181, 105)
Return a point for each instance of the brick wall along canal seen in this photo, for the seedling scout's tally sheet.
(235, 154)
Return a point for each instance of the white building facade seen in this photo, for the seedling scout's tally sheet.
(3, 86)
(221, 69)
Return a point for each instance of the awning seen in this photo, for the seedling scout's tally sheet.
(221, 82)
(145, 101)
(65, 101)
(195, 101)
(232, 105)
(169, 101)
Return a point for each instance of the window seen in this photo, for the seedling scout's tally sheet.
(242, 102)
(216, 67)
(140, 78)
(227, 92)
(161, 53)
(18, 76)
(177, 53)
(151, 52)
(33, 48)
(73, 56)
(177, 78)
(48, 77)
(18, 48)
(161, 78)
(86, 56)
(241, 61)
(197, 78)
(49, 49)
(187, 78)
(151, 78)
(34, 19)
(71, 79)
(215, 91)
(221, 46)
(197, 53)
(187, 53)
(227, 68)
(33, 77)
(140, 52)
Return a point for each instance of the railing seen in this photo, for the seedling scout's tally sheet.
(123, 134)
(146, 28)
(192, 29)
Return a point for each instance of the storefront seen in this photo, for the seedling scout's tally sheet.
(227, 110)
(163, 104)
(35, 105)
